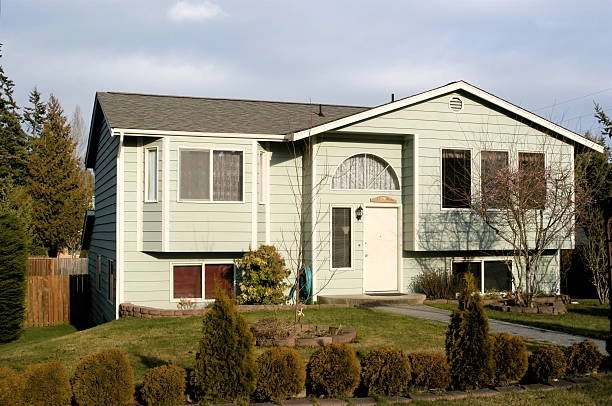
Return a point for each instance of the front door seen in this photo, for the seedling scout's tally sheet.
(381, 249)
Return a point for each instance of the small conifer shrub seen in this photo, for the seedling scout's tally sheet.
(546, 364)
(47, 384)
(104, 379)
(163, 385)
(429, 371)
(333, 371)
(583, 358)
(509, 358)
(264, 275)
(11, 387)
(468, 347)
(281, 374)
(224, 368)
(385, 372)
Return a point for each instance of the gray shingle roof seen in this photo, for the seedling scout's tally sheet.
(172, 113)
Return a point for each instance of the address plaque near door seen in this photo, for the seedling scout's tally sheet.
(383, 199)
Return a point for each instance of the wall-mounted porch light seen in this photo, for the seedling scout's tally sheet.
(359, 213)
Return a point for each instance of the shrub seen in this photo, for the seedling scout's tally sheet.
(509, 358)
(333, 370)
(546, 364)
(104, 379)
(468, 347)
(263, 277)
(385, 372)
(437, 284)
(47, 385)
(163, 385)
(281, 374)
(11, 387)
(429, 371)
(583, 358)
(13, 256)
(224, 368)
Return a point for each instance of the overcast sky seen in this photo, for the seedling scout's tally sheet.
(551, 57)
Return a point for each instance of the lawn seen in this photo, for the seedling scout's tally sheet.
(150, 342)
(588, 318)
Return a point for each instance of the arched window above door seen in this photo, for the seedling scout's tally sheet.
(365, 171)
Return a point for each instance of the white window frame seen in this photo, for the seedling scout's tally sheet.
(171, 287)
(399, 180)
(210, 170)
(331, 237)
(480, 178)
(482, 261)
(147, 174)
(442, 208)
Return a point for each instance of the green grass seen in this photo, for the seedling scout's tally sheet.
(151, 342)
(588, 318)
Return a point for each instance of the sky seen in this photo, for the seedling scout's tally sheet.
(551, 57)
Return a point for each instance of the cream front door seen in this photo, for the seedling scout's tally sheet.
(381, 249)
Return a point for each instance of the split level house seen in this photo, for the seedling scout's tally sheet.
(364, 197)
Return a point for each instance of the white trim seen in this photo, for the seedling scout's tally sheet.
(482, 260)
(147, 150)
(263, 164)
(120, 205)
(254, 159)
(164, 133)
(416, 191)
(399, 182)
(267, 199)
(139, 194)
(171, 287)
(351, 208)
(210, 174)
(399, 233)
(451, 87)
(166, 195)
(466, 209)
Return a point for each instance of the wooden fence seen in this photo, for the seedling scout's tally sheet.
(58, 292)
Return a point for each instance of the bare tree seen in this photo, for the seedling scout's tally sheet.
(77, 133)
(529, 203)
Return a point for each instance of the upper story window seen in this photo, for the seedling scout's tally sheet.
(532, 180)
(204, 179)
(365, 171)
(493, 171)
(151, 175)
(456, 178)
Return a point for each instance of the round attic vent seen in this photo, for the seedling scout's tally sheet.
(455, 104)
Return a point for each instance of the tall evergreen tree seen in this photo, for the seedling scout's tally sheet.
(56, 183)
(34, 115)
(13, 140)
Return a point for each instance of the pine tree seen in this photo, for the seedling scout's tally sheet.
(225, 368)
(13, 255)
(468, 346)
(34, 115)
(56, 183)
(13, 141)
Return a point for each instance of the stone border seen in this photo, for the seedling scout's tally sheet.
(131, 310)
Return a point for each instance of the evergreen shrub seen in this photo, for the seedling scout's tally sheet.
(11, 387)
(263, 276)
(333, 371)
(163, 385)
(385, 372)
(13, 256)
(104, 379)
(47, 384)
(510, 358)
(281, 374)
(546, 364)
(468, 347)
(583, 358)
(224, 369)
(429, 371)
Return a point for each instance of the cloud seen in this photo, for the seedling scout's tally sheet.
(194, 11)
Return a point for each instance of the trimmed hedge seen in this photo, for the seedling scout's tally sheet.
(385, 372)
(583, 358)
(429, 371)
(510, 358)
(47, 385)
(333, 371)
(546, 364)
(281, 374)
(163, 385)
(11, 387)
(104, 379)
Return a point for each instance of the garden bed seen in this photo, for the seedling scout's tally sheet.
(272, 332)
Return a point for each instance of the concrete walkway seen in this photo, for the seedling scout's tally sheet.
(531, 333)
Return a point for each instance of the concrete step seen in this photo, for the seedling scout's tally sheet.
(373, 299)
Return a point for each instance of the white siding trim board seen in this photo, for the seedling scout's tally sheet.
(254, 198)
(163, 133)
(139, 194)
(166, 195)
(119, 268)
